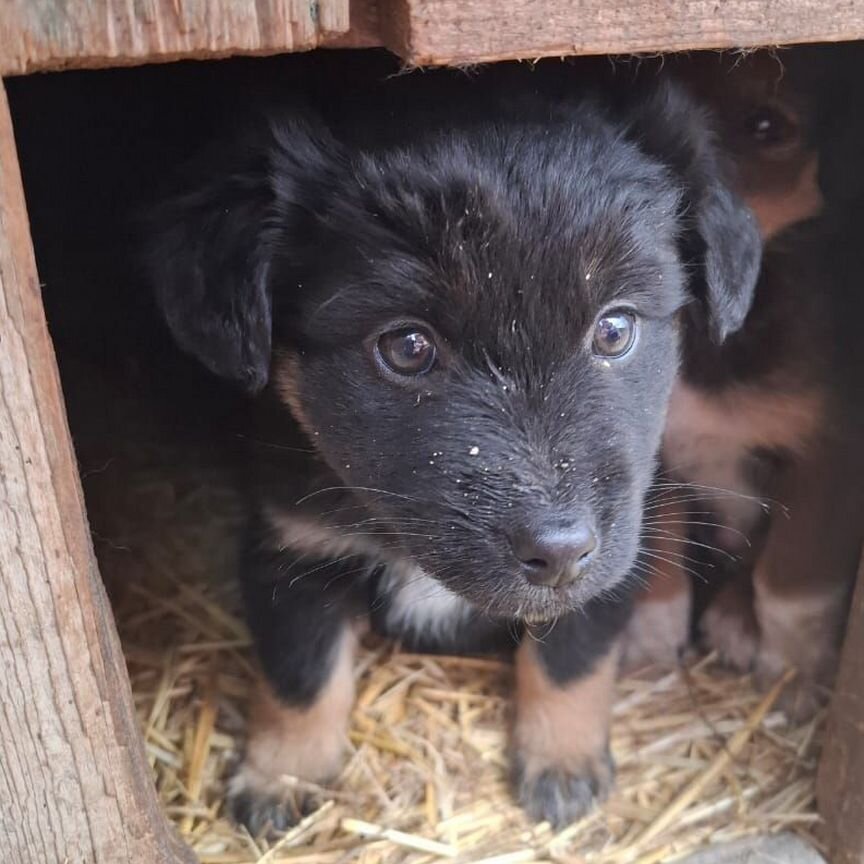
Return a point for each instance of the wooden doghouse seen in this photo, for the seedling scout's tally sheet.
(74, 783)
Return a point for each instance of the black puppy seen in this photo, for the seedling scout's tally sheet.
(464, 315)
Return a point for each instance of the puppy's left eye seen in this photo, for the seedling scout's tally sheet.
(614, 333)
(408, 351)
(770, 128)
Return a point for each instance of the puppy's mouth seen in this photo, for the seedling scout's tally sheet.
(532, 604)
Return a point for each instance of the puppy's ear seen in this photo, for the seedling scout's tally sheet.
(209, 250)
(721, 244)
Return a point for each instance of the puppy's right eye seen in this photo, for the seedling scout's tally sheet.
(408, 351)
(614, 334)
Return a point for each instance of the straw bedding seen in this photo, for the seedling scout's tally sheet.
(702, 757)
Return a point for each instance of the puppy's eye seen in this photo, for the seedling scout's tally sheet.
(408, 351)
(769, 127)
(614, 333)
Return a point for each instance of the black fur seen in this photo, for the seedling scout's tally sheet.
(506, 224)
(570, 648)
(298, 608)
(559, 796)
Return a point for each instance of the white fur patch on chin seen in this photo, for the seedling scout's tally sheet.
(420, 605)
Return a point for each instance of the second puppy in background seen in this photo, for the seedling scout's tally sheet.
(758, 453)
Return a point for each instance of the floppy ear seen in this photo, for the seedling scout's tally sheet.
(209, 250)
(721, 243)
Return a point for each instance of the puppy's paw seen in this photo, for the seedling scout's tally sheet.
(561, 796)
(805, 694)
(285, 742)
(729, 627)
(801, 700)
(265, 806)
(657, 634)
(798, 632)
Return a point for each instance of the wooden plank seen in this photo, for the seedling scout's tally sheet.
(52, 34)
(438, 32)
(840, 787)
(74, 781)
(364, 30)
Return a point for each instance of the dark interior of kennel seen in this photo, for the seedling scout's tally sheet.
(95, 148)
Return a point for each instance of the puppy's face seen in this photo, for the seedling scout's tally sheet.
(764, 105)
(492, 349)
(478, 332)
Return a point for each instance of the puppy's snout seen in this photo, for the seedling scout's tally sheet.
(551, 555)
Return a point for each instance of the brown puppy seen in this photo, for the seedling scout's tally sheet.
(765, 105)
(758, 445)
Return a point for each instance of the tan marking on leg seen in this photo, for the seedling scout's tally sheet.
(659, 628)
(803, 579)
(306, 743)
(799, 630)
(561, 738)
(562, 727)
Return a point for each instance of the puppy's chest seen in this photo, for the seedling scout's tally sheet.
(404, 601)
(409, 604)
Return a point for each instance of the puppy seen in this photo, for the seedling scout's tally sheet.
(460, 313)
(767, 108)
(759, 448)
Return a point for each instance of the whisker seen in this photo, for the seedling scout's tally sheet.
(672, 563)
(686, 541)
(681, 555)
(356, 489)
(272, 444)
(718, 525)
(717, 489)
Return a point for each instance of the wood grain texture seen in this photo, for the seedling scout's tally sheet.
(437, 32)
(51, 34)
(74, 782)
(364, 29)
(840, 788)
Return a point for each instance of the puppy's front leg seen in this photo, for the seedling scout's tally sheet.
(299, 616)
(804, 577)
(729, 624)
(565, 686)
(659, 628)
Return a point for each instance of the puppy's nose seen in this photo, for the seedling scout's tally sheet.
(553, 556)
